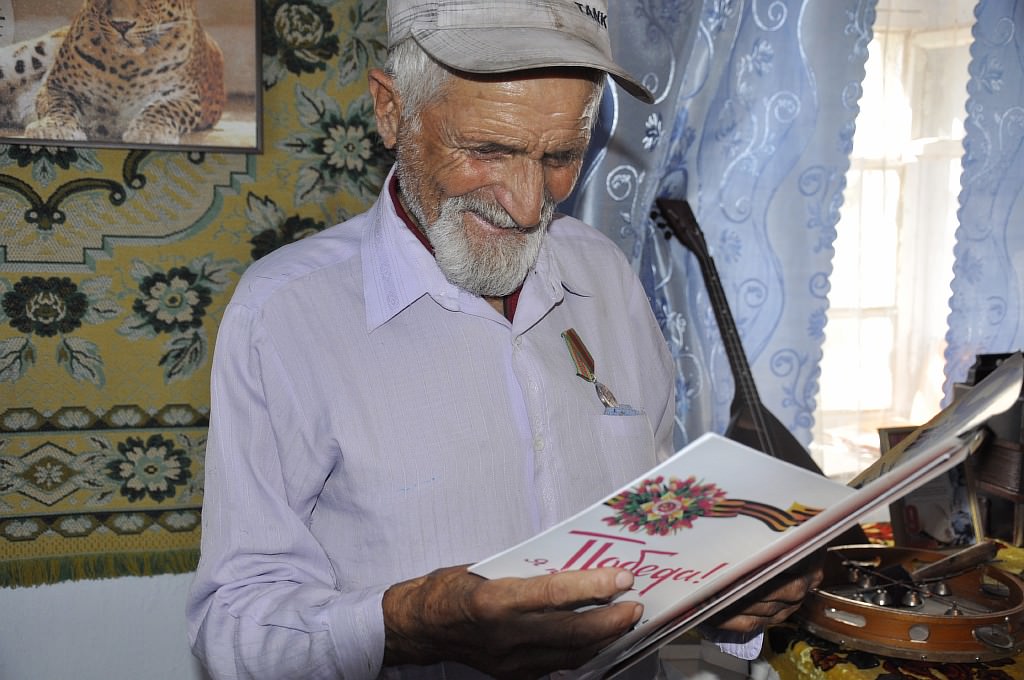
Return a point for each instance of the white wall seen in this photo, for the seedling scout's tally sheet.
(113, 629)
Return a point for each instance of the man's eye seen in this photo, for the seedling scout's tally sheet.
(561, 160)
(489, 152)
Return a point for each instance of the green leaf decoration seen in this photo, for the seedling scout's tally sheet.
(81, 359)
(183, 354)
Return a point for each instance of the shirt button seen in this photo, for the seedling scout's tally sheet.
(518, 342)
(538, 443)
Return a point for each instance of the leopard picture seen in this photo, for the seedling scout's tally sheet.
(139, 71)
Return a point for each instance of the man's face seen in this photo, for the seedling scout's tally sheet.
(484, 170)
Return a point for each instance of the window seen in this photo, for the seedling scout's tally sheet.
(885, 336)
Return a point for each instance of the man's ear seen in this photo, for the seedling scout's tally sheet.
(387, 106)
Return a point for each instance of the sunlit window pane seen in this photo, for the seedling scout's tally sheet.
(889, 288)
(857, 352)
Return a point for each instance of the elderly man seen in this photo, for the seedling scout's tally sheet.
(394, 395)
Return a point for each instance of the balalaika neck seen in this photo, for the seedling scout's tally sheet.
(746, 389)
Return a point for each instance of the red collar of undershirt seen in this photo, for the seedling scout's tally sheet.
(509, 302)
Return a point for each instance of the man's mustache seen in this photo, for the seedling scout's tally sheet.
(494, 214)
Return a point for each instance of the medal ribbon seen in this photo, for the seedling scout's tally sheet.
(580, 355)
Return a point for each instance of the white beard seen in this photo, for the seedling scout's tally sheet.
(493, 266)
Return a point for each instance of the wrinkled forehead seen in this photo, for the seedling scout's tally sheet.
(536, 116)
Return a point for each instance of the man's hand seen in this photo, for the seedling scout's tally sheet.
(772, 603)
(512, 627)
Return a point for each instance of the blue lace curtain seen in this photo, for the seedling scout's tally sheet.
(753, 125)
(985, 314)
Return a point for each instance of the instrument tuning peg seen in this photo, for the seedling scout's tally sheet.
(940, 588)
(954, 610)
(661, 224)
(882, 598)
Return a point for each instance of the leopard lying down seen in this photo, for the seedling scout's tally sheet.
(143, 71)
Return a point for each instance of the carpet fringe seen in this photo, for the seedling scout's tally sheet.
(50, 570)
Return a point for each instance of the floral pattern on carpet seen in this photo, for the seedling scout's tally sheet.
(115, 268)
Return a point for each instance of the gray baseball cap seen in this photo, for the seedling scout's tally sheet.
(501, 36)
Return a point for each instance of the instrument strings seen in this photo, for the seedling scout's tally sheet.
(897, 577)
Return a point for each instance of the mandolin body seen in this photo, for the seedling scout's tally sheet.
(753, 431)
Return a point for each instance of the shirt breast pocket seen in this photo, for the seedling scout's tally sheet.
(625, 446)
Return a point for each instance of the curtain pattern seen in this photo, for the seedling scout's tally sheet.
(985, 307)
(753, 126)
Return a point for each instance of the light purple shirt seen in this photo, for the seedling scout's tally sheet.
(371, 422)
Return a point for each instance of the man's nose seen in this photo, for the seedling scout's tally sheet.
(521, 192)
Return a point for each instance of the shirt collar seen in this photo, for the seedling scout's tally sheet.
(397, 270)
(404, 216)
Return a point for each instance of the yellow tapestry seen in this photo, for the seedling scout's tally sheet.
(115, 267)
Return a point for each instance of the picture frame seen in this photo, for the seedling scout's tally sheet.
(941, 514)
(228, 118)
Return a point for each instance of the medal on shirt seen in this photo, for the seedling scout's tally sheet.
(585, 369)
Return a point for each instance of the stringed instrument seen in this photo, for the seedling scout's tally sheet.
(899, 602)
(750, 421)
(918, 604)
